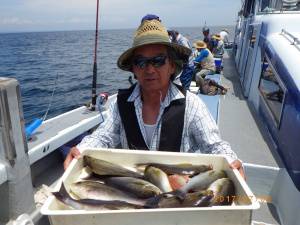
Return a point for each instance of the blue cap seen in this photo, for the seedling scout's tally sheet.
(150, 17)
(205, 29)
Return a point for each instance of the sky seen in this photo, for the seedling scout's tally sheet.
(54, 15)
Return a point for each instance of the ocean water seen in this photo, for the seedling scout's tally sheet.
(38, 60)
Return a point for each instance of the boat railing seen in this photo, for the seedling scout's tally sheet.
(294, 40)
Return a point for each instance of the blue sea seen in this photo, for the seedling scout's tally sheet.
(38, 60)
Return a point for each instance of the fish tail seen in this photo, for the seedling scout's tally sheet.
(62, 193)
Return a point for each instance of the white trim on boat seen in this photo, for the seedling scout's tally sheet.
(62, 137)
(65, 114)
(261, 166)
(3, 174)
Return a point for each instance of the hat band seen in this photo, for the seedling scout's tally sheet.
(150, 39)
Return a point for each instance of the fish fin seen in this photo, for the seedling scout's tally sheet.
(178, 194)
(153, 201)
(205, 200)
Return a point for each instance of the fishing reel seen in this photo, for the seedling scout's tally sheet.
(101, 100)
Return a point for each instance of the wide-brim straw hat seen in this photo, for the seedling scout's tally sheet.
(217, 37)
(152, 32)
(200, 44)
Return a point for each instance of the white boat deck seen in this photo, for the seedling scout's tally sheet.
(57, 131)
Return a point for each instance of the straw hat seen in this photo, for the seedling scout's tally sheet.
(217, 37)
(152, 32)
(200, 44)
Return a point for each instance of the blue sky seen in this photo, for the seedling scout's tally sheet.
(47, 15)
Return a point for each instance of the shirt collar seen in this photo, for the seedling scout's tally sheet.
(173, 94)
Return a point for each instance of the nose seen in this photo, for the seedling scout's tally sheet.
(149, 69)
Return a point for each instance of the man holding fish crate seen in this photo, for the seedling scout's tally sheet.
(155, 113)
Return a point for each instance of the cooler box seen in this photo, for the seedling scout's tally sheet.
(218, 62)
(237, 214)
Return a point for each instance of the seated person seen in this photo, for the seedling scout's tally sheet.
(204, 61)
(155, 114)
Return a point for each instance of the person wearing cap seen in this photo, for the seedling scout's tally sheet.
(224, 35)
(150, 17)
(186, 75)
(218, 45)
(206, 37)
(155, 114)
(204, 61)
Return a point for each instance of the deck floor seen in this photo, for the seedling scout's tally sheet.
(239, 124)
(245, 132)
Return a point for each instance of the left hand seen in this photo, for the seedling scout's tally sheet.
(237, 164)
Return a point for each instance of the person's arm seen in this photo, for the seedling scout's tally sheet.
(203, 54)
(206, 138)
(107, 135)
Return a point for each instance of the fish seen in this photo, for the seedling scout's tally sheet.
(223, 192)
(135, 186)
(91, 204)
(196, 199)
(158, 177)
(92, 189)
(181, 169)
(85, 173)
(199, 182)
(104, 168)
(177, 181)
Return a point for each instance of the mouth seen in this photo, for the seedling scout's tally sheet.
(150, 79)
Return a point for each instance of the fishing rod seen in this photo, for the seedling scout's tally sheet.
(94, 83)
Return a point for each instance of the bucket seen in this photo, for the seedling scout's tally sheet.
(218, 62)
(265, 66)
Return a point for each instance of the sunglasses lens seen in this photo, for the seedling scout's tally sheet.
(156, 61)
(159, 61)
(140, 62)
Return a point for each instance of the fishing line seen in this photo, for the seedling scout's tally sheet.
(51, 99)
(38, 122)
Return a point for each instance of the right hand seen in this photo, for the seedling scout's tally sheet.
(74, 153)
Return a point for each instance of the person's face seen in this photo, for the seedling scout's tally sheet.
(205, 33)
(152, 67)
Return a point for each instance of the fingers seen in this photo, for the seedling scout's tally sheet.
(237, 164)
(74, 153)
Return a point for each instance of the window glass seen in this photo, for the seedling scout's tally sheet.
(277, 6)
(271, 90)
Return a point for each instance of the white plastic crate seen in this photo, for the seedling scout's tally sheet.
(237, 214)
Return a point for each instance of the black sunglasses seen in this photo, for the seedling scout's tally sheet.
(156, 61)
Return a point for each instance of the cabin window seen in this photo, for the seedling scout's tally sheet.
(272, 90)
(277, 6)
